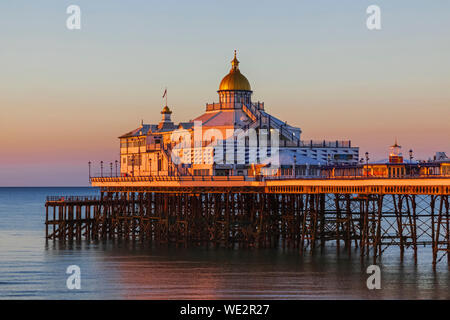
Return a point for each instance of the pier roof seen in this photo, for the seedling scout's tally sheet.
(224, 118)
(142, 130)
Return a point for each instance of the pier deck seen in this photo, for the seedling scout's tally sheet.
(428, 186)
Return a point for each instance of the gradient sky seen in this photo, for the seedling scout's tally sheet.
(65, 96)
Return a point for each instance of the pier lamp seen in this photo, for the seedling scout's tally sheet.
(110, 167)
(367, 163)
(410, 161)
(89, 164)
(101, 169)
(117, 162)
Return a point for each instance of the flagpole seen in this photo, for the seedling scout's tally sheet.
(165, 96)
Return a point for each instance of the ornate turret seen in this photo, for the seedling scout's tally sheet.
(166, 122)
(395, 155)
(234, 89)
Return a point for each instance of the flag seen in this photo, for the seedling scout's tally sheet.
(165, 93)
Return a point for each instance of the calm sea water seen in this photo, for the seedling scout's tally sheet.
(31, 268)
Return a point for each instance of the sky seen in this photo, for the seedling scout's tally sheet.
(66, 95)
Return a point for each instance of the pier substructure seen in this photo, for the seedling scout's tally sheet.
(258, 217)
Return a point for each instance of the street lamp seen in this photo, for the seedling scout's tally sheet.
(101, 169)
(89, 164)
(110, 167)
(367, 163)
(116, 166)
(410, 161)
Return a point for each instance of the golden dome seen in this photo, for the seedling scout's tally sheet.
(235, 80)
(166, 110)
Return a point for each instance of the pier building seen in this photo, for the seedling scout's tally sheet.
(235, 136)
(396, 166)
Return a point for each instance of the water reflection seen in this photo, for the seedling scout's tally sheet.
(31, 268)
(142, 272)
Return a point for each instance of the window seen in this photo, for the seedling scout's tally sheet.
(134, 160)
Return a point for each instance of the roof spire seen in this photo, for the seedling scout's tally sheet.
(396, 144)
(235, 62)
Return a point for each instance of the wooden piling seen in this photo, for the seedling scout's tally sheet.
(253, 218)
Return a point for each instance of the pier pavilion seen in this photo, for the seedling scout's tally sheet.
(232, 137)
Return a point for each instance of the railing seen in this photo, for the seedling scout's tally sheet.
(153, 147)
(213, 106)
(250, 113)
(282, 129)
(174, 178)
(326, 144)
(71, 198)
(257, 178)
(360, 177)
(297, 143)
(217, 105)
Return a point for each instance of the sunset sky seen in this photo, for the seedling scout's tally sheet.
(66, 95)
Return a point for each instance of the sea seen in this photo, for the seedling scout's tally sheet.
(33, 268)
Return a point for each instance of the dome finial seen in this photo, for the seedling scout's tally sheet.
(235, 62)
(166, 110)
(234, 80)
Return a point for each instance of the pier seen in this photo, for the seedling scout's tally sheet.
(238, 176)
(368, 214)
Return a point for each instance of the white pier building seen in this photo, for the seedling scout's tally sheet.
(233, 137)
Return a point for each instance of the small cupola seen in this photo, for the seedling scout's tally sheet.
(166, 114)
